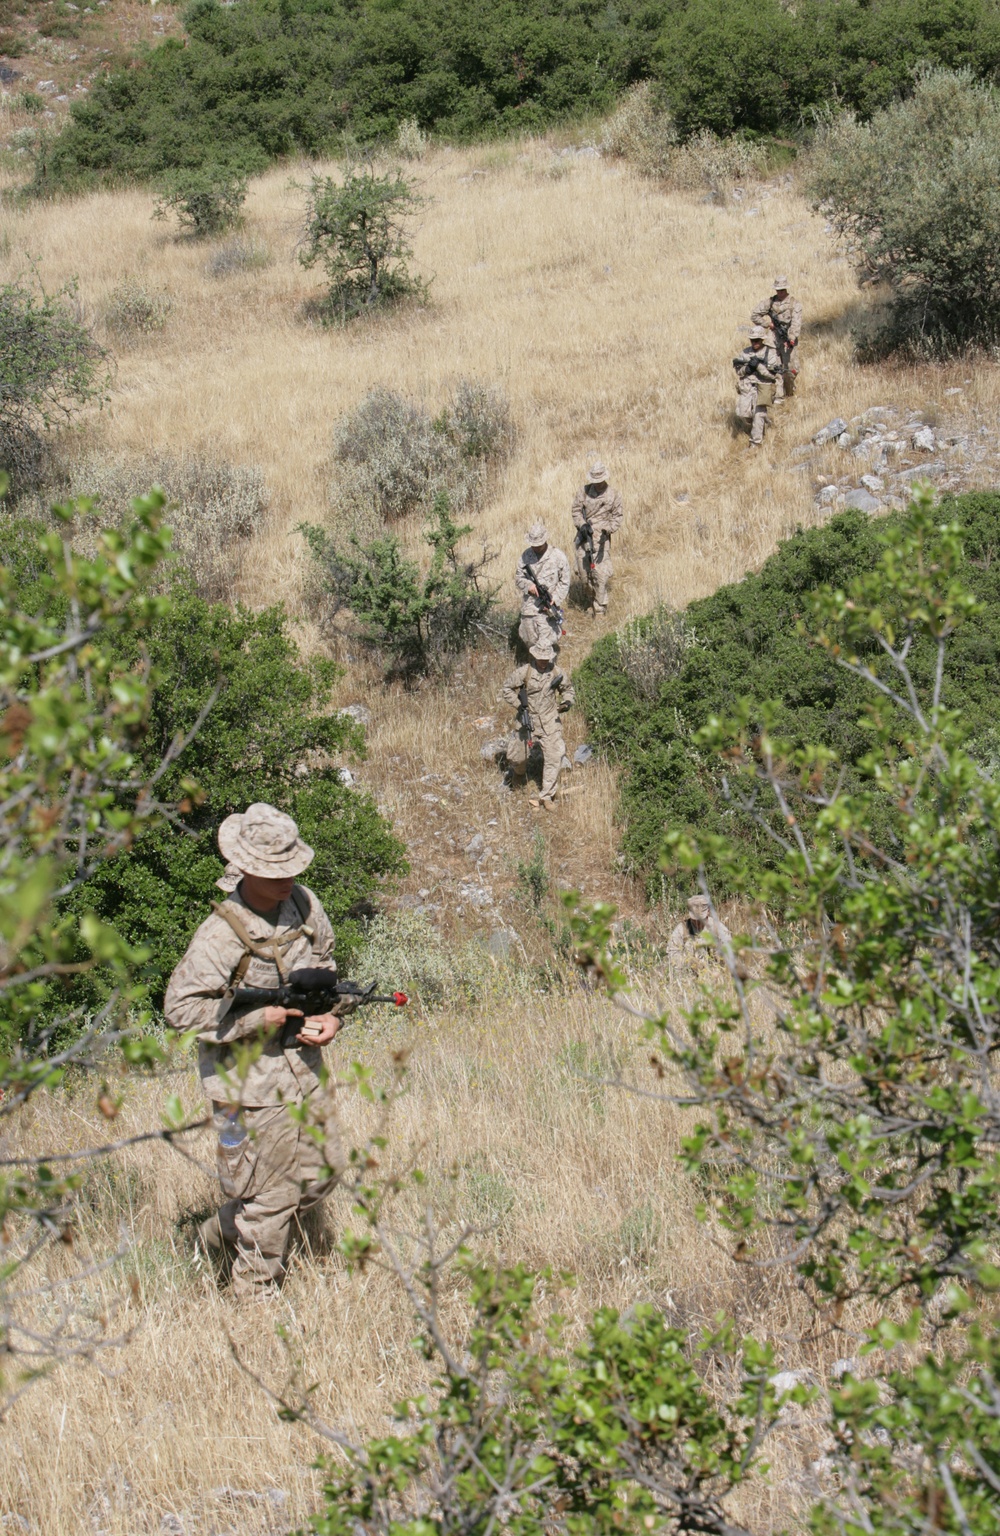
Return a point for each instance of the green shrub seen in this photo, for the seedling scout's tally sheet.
(419, 623)
(259, 80)
(50, 367)
(915, 193)
(643, 131)
(207, 199)
(760, 67)
(265, 738)
(357, 230)
(747, 648)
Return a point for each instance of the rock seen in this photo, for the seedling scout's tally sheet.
(872, 483)
(924, 438)
(360, 713)
(845, 440)
(500, 943)
(346, 778)
(921, 472)
(484, 723)
(474, 847)
(786, 1381)
(840, 1368)
(430, 799)
(832, 429)
(860, 501)
(827, 496)
(475, 895)
(492, 749)
(583, 754)
(955, 391)
(878, 413)
(172, 1525)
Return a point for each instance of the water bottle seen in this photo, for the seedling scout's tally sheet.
(233, 1133)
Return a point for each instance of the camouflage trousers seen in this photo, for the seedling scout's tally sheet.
(598, 580)
(535, 627)
(553, 749)
(784, 384)
(748, 410)
(275, 1174)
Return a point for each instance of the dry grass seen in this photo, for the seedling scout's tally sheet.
(609, 311)
(579, 1176)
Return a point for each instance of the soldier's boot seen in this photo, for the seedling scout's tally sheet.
(550, 804)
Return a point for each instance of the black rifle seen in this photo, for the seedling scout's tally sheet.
(524, 713)
(751, 364)
(547, 602)
(780, 330)
(311, 990)
(587, 544)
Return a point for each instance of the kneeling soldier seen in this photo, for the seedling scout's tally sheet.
(757, 368)
(269, 1165)
(541, 693)
(597, 514)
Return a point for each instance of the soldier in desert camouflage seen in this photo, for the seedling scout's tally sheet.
(548, 693)
(782, 315)
(269, 1166)
(757, 369)
(597, 514)
(541, 566)
(692, 939)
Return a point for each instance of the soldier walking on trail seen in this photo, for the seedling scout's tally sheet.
(690, 940)
(541, 693)
(542, 580)
(783, 316)
(269, 1165)
(597, 514)
(757, 369)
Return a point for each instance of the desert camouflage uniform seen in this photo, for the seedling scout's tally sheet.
(601, 506)
(691, 944)
(747, 408)
(550, 694)
(277, 1170)
(788, 313)
(552, 570)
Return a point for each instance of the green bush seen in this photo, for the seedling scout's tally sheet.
(50, 366)
(419, 623)
(207, 199)
(265, 738)
(746, 647)
(915, 193)
(269, 78)
(357, 230)
(758, 66)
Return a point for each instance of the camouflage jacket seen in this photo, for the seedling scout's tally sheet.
(689, 943)
(768, 365)
(551, 569)
(546, 692)
(196, 999)
(603, 512)
(788, 314)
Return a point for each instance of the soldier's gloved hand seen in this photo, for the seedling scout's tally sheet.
(563, 706)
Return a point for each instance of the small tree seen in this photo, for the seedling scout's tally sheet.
(419, 622)
(916, 194)
(358, 231)
(207, 199)
(50, 366)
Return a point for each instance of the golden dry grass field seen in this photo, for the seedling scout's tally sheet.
(609, 311)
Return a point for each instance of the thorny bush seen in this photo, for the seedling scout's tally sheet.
(358, 230)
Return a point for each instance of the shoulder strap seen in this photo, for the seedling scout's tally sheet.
(303, 907)
(273, 950)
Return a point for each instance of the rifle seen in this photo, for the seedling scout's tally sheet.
(315, 991)
(780, 330)
(587, 544)
(751, 364)
(547, 602)
(524, 713)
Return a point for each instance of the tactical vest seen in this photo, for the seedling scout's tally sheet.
(273, 949)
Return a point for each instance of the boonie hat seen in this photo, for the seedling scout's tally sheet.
(229, 879)
(597, 473)
(758, 333)
(780, 282)
(265, 842)
(542, 650)
(699, 906)
(538, 533)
